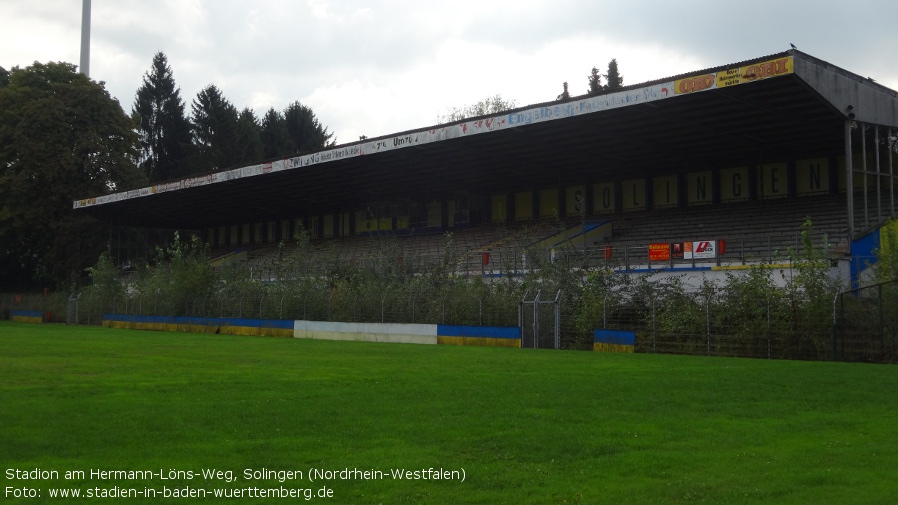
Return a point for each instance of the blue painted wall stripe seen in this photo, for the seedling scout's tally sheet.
(203, 321)
(448, 330)
(615, 337)
(27, 313)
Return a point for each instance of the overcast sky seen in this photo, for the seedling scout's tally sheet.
(384, 66)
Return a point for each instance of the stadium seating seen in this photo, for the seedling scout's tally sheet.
(754, 231)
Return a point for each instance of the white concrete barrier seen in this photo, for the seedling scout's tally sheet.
(368, 332)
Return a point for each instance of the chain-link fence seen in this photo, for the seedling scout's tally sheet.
(52, 306)
(460, 304)
(744, 317)
(712, 321)
(867, 324)
(539, 317)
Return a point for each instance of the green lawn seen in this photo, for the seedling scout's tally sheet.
(525, 426)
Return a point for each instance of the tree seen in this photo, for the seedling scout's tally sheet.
(304, 130)
(595, 83)
(215, 134)
(489, 105)
(613, 78)
(294, 131)
(249, 137)
(565, 95)
(163, 129)
(62, 138)
(4, 77)
(274, 136)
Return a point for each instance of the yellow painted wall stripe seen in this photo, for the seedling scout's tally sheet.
(601, 347)
(479, 341)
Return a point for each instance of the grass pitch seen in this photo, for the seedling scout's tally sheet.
(523, 426)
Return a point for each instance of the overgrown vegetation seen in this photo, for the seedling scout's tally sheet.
(759, 311)
(886, 268)
(868, 315)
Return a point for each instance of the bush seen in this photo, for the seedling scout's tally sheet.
(745, 315)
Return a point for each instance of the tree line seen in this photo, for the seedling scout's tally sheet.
(215, 135)
(496, 103)
(613, 82)
(64, 137)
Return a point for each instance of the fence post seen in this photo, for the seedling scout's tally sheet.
(558, 320)
(708, 321)
(881, 322)
(90, 306)
(605, 310)
(536, 319)
(768, 328)
(835, 327)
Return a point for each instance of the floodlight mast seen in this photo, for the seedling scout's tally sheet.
(85, 38)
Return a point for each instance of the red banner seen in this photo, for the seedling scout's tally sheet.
(659, 252)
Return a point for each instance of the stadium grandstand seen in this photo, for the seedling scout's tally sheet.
(715, 168)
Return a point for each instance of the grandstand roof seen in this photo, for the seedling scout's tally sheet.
(774, 108)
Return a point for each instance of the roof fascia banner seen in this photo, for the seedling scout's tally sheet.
(735, 76)
(540, 114)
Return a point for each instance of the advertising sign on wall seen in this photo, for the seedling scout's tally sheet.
(676, 250)
(659, 252)
(734, 76)
(701, 249)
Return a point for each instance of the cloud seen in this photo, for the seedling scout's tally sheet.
(382, 66)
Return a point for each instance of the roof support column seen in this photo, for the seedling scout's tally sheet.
(849, 183)
(891, 145)
(864, 168)
(878, 177)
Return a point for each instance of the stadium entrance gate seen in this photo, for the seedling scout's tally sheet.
(540, 321)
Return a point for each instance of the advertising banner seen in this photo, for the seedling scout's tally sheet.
(702, 249)
(676, 250)
(659, 252)
(734, 76)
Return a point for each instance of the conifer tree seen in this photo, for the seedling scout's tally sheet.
(215, 130)
(163, 128)
(614, 80)
(565, 95)
(595, 82)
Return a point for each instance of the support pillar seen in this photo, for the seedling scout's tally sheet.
(849, 183)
